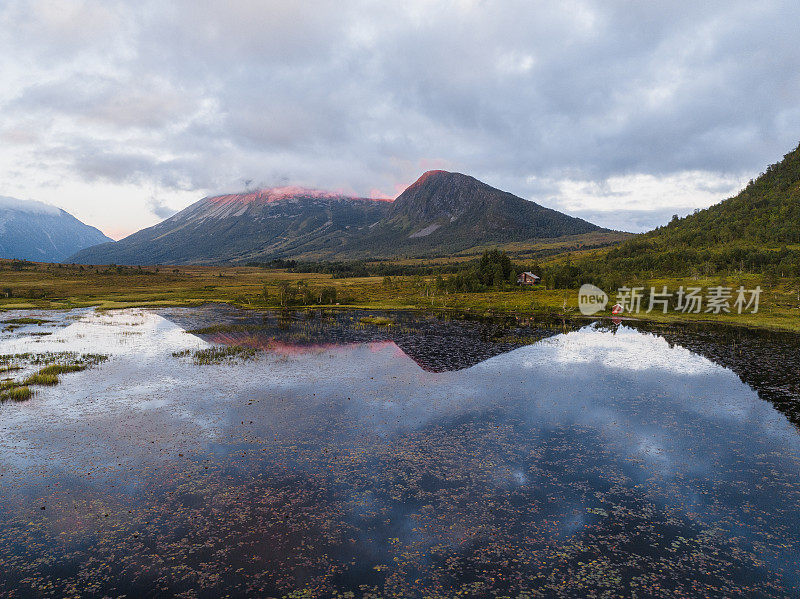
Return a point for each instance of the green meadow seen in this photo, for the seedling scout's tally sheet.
(52, 286)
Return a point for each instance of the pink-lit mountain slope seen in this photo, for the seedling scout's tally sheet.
(244, 227)
(440, 214)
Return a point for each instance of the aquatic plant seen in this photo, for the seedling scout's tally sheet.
(41, 379)
(45, 358)
(218, 355)
(56, 369)
(47, 376)
(222, 328)
(378, 320)
(25, 321)
(16, 394)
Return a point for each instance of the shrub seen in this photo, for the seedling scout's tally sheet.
(328, 295)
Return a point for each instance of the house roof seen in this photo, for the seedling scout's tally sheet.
(529, 274)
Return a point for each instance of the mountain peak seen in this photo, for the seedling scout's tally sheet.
(439, 177)
(440, 213)
(32, 230)
(442, 204)
(29, 206)
(440, 194)
(255, 202)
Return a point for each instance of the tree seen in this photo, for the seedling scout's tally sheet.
(490, 261)
(498, 279)
(287, 293)
(328, 295)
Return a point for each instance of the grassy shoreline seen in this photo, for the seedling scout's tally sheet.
(48, 286)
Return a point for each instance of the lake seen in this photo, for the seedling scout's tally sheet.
(348, 454)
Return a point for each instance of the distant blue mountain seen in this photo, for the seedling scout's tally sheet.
(36, 231)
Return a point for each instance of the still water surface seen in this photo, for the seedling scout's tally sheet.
(426, 458)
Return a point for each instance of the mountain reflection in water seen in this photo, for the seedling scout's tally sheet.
(768, 361)
(436, 344)
(589, 462)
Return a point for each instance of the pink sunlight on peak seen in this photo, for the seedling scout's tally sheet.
(274, 194)
(427, 166)
(380, 196)
(434, 164)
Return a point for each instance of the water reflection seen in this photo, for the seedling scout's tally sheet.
(351, 457)
(767, 361)
(435, 343)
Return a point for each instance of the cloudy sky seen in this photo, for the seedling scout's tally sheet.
(621, 112)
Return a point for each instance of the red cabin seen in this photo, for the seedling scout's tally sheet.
(528, 278)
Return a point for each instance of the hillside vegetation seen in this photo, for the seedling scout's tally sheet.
(758, 230)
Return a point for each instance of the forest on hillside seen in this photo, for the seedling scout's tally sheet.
(756, 231)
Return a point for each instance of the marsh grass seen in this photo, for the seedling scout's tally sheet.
(384, 321)
(218, 355)
(56, 369)
(222, 328)
(46, 380)
(21, 321)
(47, 358)
(55, 364)
(19, 393)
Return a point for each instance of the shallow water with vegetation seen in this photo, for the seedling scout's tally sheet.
(345, 454)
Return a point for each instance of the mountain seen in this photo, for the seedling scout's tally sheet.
(36, 231)
(242, 227)
(439, 214)
(445, 212)
(756, 229)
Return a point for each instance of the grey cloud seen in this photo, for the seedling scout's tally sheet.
(94, 162)
(159, 208)
(632, 221)
(56, 34)
(140, 102)
(203, 95)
